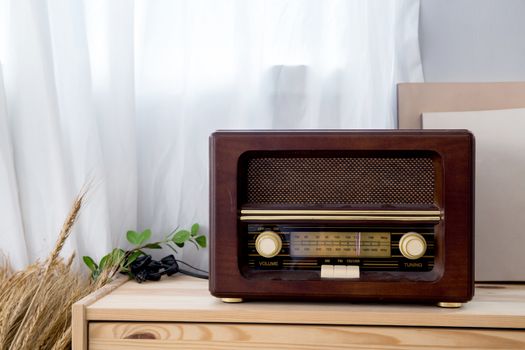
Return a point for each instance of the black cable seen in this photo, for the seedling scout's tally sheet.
(193, 267)
(193, 274)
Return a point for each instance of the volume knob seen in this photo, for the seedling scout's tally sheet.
(412, 245)
(268, 244)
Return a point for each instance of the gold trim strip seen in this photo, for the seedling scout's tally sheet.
(340, 218)
(380, 264)
(339, 212)
(301, 264)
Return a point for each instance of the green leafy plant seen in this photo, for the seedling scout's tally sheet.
(120, 260)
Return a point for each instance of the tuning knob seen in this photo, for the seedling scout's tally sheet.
(412, 245)
(268, 244)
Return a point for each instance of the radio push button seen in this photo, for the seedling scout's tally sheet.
(327, 271)
(352, 271)
(339, 271)
(412, 245)
(268, 244)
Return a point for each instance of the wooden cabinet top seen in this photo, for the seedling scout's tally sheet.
(186, 299)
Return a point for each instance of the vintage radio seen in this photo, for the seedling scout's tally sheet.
(342, 215)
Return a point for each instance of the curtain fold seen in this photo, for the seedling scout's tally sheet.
(124, 95)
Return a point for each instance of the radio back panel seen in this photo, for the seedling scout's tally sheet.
(346, 215)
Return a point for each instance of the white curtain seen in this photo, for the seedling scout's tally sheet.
(126, 93)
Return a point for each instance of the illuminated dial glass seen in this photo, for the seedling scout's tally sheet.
(340, 244)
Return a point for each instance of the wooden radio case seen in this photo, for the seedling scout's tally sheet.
(342, 215)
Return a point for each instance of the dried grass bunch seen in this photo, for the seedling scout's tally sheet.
(35, 303)
(5, 271)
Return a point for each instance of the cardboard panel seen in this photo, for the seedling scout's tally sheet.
(500, 188)
(413, 99)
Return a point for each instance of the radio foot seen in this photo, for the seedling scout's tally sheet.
(450, 305)
(231, 300)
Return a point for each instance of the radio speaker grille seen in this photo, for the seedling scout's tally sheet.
(352, 180)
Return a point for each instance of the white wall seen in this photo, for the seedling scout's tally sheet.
(473, 40)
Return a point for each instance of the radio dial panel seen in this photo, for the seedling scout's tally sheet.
(318, 248)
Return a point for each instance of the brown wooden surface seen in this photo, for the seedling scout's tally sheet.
(124, 336)
(79, 329)
(453, 278)
(186, 299)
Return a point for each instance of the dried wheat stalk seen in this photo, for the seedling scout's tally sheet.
(35, 303)
(5, 270)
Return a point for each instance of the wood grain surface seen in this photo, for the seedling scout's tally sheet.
(79, 329)
(242, 336)
(187, 299)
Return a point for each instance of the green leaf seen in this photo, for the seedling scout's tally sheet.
(194, 229)
(153, 246)
(133, 237)
(181, 236)
(90, 263)
(144, 236)
(201, 240)
(104, 261)
(117, 255)
(180, 245)
(133, 256)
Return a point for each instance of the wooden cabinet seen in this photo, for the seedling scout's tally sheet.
(179, 313)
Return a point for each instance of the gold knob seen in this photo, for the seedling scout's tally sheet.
(412, 245)
(268, 244)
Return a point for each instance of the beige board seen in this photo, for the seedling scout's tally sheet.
(413, 99)
(500, 188)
